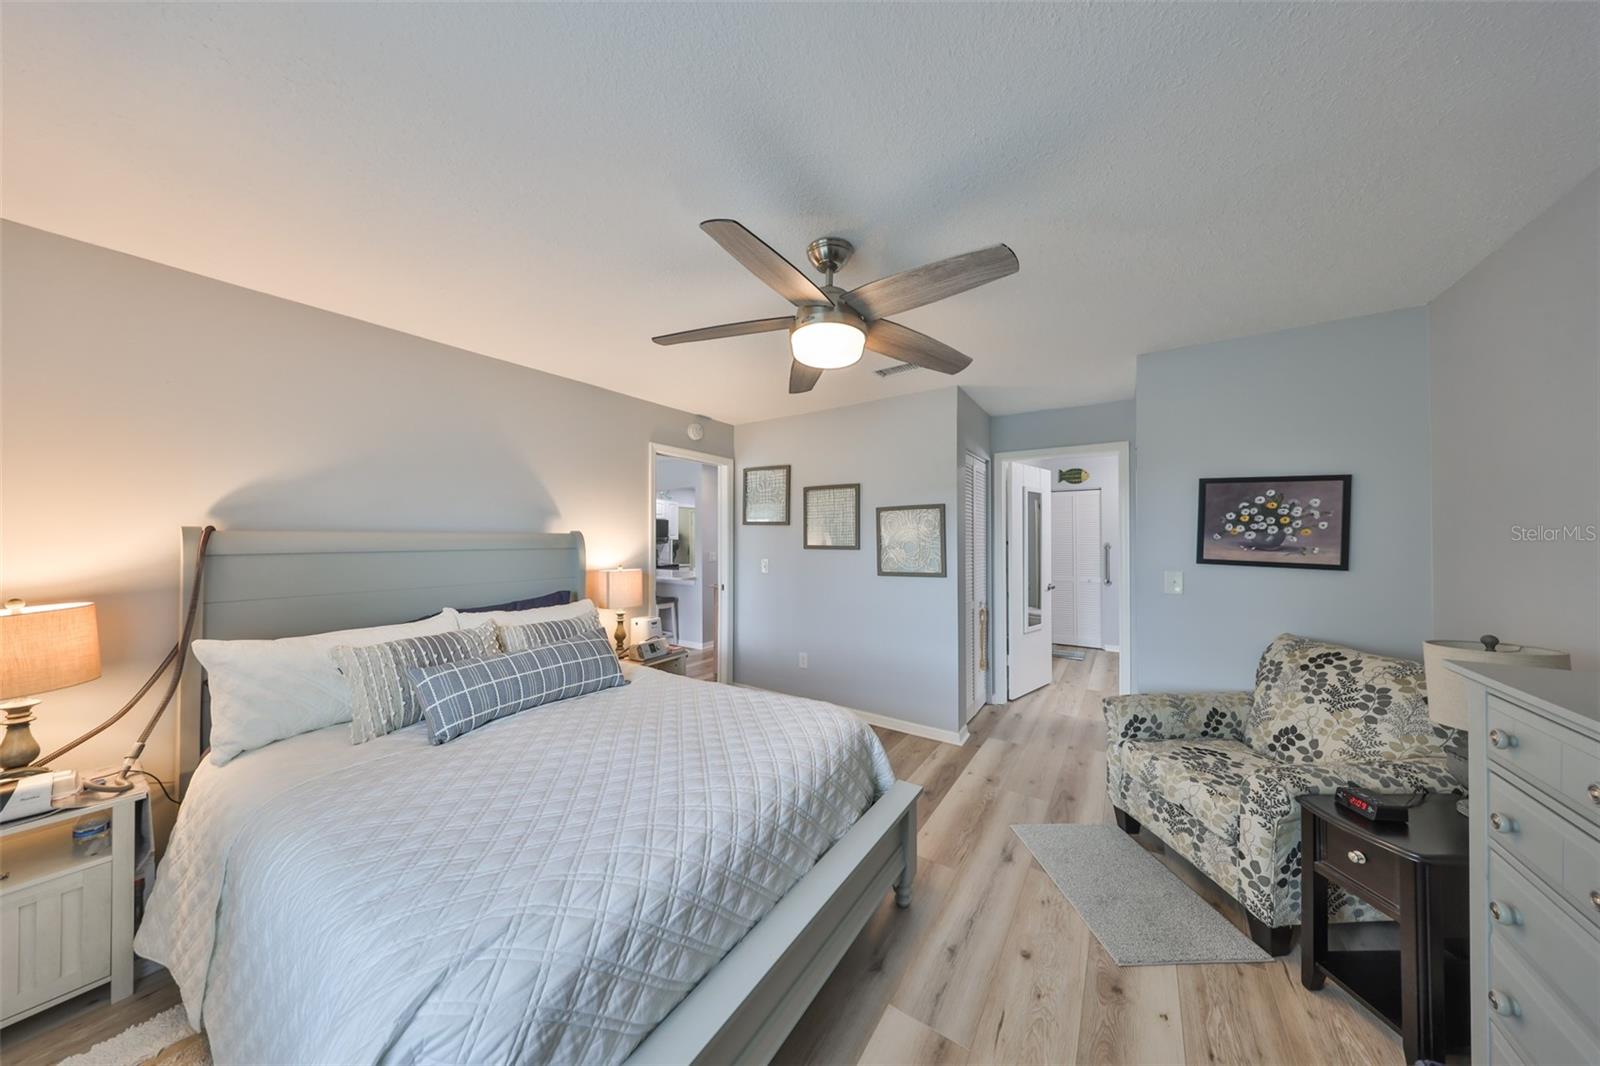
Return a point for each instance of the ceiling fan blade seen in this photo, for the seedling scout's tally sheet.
(935, 281)
(801, 377)
(918, 349)
(780, 275)
(730, 329)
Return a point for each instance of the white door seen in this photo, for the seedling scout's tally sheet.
(1027, 579)
(1077, 556)
(975, 581)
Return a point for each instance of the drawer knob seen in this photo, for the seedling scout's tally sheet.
(1502, 823)
(1594, 897)
(1499, 738)
(1504, 913)
(1594, 791)
(1355, 857)
(1502, 1003)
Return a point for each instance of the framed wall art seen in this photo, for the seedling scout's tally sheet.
(1300, 521)
(911, 541)
(766, 495)
(831, 516)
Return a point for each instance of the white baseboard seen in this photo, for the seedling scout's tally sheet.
(695, 644)
(916, 729)
(1111, 647)
(899, 725)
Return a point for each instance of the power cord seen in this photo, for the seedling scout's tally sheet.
(162, 785)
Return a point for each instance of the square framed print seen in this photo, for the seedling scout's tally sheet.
(1300, 521)
(766, 495)
(831, 516)
(911, 541)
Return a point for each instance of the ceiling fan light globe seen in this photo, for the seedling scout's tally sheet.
(827, 345)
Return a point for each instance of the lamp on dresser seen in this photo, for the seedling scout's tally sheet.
(42, 648)
(1447, 693)
(618, 589)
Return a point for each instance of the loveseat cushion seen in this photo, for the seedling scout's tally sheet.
(1203, 777)
(1317, 702)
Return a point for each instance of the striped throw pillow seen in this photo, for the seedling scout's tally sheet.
(457, 698)
(536, 634)
(381, 694)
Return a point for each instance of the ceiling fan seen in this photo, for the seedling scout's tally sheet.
(830, 326)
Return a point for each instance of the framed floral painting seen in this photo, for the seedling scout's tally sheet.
(1300, 521)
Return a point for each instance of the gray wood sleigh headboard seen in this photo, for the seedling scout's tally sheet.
(267, 584)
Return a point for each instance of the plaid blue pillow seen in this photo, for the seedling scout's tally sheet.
(459, 697)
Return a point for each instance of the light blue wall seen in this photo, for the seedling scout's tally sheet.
(1063, 427)
(887, 645)
(1347, 397)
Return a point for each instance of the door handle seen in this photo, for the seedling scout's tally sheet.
(1105, 565)
(1050, 587)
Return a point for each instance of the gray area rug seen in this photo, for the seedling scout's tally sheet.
(1142, 914)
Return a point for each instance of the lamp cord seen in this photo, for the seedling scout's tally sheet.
(175, 655)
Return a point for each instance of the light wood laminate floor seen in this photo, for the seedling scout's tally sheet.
(990, 964)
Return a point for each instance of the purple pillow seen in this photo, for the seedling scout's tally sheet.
(549, 599)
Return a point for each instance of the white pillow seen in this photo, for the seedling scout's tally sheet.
(535, 614)
(268, 690)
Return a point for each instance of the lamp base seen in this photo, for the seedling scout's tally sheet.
(621, 635)
(17, 747)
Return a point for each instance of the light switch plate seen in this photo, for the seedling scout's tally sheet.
(764, 568)
(1172, 582)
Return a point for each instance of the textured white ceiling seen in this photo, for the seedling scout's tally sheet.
(525, 181)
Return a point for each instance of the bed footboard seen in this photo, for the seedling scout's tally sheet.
(742, 1010)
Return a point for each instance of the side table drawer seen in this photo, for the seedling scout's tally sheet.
(1535, 1019)
(1565, 953)
(1373, 870)
(55, 938)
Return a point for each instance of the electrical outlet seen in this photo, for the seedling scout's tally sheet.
(764, 567)
(804, 662)
(1172, 582)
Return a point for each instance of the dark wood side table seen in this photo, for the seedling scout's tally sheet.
(1415, 873)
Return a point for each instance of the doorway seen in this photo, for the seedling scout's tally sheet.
(1061, 518)
(688, 571)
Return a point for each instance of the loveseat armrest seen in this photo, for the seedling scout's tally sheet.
(1176, 716)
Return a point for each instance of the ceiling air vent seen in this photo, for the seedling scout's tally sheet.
(891, 371)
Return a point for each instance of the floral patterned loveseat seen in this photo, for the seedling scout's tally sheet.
(1215, 775)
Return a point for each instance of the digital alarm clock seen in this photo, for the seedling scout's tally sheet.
(1370, 805)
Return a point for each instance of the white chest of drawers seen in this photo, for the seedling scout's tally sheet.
(1535, 799)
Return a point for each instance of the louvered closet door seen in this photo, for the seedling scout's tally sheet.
(975, 579)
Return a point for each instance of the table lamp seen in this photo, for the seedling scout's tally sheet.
(617, 590)
(42, 648)
(1447, 690)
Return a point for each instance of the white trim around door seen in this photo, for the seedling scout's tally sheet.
(1001, 608)
(724, 589)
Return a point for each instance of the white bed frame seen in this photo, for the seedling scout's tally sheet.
(270, 584)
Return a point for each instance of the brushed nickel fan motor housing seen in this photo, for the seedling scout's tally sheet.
(829, 254)
(840, 312)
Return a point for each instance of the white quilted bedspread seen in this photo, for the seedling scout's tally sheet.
(545, 889)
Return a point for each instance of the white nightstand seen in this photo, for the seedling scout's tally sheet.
(66, 921)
